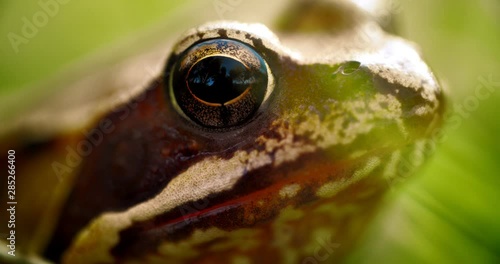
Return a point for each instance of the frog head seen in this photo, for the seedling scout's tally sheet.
(253, 145)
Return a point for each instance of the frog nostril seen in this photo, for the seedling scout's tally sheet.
(219, 82)
(348, 68)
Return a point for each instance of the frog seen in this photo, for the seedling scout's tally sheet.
(250, 145)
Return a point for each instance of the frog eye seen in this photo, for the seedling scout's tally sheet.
(219, 82)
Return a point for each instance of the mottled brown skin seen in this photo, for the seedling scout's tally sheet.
(151, 143)
(154, 143)
(238, 209)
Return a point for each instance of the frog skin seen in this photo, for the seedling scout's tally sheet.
(293, 174)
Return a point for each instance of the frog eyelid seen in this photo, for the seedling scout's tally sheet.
(250, 34)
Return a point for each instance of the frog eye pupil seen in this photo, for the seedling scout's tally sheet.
(218, 79)
(218, 83)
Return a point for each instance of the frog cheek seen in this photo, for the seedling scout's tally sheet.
(143, 152)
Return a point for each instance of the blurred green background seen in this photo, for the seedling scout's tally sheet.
(447, 214)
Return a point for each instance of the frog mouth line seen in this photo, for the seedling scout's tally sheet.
(243, 211)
